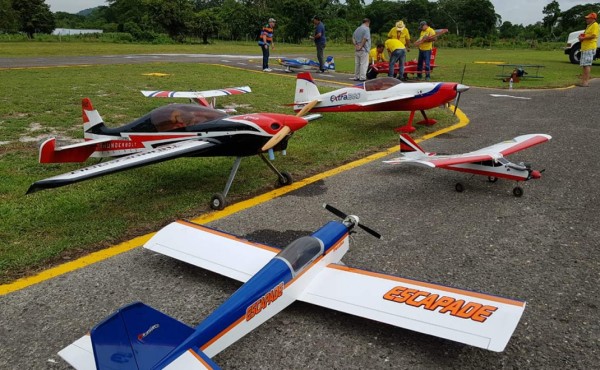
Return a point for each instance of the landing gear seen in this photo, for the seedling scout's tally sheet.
(518, 191)
(217, 202)
(408, 128)
(459, 187)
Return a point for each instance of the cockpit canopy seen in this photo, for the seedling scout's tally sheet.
(299, 253)
(378, 84)
(174, 116)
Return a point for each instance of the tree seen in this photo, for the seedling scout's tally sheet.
(34, 16)
(172, 15)
(205, 24)
(9, 18)
(552, 12)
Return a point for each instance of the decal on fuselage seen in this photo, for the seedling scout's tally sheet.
(344, 96)
(264, 301)
(455, 307)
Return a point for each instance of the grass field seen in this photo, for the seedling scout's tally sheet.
(58, 225)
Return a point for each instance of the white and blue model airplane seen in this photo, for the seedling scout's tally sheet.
(309, 269)
(304, 64)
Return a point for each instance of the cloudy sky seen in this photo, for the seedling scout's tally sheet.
(515, 11)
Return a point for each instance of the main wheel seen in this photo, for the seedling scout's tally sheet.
(217, 202)
(518, 191)
(286, 180)
(459, 187)
(575, 54)
(492, 179)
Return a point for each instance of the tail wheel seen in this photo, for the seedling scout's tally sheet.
(285, 179)
(518, 191)
(217, 202)
(492, 179)
(459, 187)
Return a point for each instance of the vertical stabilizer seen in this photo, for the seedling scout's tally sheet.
(90, 116)
(306, 90)
(407, 144)
(330, 63)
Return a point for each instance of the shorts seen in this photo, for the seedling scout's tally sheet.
(586, 57)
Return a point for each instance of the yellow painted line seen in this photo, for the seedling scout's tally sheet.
(213, 216)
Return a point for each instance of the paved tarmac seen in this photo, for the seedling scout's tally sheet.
(541, 248)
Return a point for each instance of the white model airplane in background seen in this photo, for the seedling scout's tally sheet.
(488, 161)
(310, 270)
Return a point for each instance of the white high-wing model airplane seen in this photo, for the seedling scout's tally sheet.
(489, 161)
(309, 269)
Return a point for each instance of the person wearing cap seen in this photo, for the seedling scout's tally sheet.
(400, 32)
(425, 42)
(589, 43)
(320, 41)
(265, 41)
(362, 45)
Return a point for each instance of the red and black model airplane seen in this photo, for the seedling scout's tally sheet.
(169, 132)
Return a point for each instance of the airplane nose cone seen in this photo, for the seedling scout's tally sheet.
(461, 88)
(536, 174)
(295, 123)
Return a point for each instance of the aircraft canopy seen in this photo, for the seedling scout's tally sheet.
(174, 116)
(301, 252)
(381, 83)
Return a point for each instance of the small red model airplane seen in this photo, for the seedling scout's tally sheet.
(410, 67)
(381, 94)
(169, 132)
(489, 161)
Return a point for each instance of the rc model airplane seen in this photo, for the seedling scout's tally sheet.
(169, 132)
(410, 67)
(381, 94)
(310, 270)
(306, 64)
(489, 161)
(200, 97)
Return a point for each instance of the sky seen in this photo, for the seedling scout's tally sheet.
(515, 11)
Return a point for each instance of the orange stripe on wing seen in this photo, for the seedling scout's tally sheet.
(216, 337)
(429, 285)
(228, 236)
(200, 359)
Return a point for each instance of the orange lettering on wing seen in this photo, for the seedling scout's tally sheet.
(432, 302)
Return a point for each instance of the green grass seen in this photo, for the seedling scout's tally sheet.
(56, 225)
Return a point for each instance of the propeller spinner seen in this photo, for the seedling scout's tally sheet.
(351, 220)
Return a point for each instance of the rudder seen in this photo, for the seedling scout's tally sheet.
(90, 117)
(306, 90)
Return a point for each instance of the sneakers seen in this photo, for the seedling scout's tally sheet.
(267, 70)
(427, 79)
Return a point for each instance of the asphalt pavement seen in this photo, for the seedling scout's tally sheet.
(541, 248)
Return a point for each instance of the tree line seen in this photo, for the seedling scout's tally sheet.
(181, 20)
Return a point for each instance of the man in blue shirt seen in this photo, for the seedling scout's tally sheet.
(320, 41)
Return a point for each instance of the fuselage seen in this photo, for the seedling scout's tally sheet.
(269, 291)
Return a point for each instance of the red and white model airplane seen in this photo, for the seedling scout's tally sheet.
(489, 161)
(200, 97)
(309, 270)
(170, 132)
(410, 67)
(380, 94)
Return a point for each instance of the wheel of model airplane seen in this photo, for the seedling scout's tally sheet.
(518, 191)
(285, 180)
(459, 187)
(492, 179)
(217, 202)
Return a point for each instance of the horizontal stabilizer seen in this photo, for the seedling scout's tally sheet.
(157, 155)
(211, 249)
(79, 152)
(135, 337)
(477, 319)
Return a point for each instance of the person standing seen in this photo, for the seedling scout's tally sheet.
(320, 41)
(589, 44)
(265, 41)
(397, 53)
(400, 32)
(425, 43)
(362, 45)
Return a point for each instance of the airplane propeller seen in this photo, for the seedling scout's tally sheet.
(460, 88)
(353, 220)
(306, 108)
(285, 130)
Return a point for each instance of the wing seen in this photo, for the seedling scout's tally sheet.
(197, 94)
(476, 319)
(386, 100)
(145, 158)
(211, 249)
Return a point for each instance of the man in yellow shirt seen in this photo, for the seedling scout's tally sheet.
(397, 53)
(377, 55)
(589, 44)
(425, 43)
(400, 32)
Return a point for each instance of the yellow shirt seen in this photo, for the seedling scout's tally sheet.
(403, 35)
(393, 44)
(428, 45)
(375, 57)
(591, 44)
